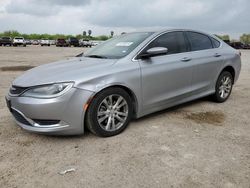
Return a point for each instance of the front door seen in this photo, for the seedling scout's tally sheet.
(166, 79)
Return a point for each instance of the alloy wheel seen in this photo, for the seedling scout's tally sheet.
(112, 112)
(225, 87)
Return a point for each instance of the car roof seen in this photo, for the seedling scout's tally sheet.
(160, 31)
(165, 30)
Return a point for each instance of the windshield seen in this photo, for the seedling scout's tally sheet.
(118, 47)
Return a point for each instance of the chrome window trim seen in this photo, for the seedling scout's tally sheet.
(162, 33)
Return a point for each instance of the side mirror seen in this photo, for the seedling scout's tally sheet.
(152, 52)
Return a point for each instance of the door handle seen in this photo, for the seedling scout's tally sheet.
(217, 55)
(186, 59)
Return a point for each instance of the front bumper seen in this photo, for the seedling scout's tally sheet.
(18, 43)
(62, 115)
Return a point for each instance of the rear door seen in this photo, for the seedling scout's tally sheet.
(207, 60)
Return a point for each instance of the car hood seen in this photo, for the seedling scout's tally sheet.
(74, 69)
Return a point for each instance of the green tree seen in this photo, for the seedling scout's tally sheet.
(102, 37)
(35, 36)
(245, 38)
(112, 33)
(89, 32)
(223, 37)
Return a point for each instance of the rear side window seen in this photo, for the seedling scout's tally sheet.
(174, 42)
(199, 41)
(215, 42)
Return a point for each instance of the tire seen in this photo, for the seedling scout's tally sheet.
(112, 121)
(223, 87)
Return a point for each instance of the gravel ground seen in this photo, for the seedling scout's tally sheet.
(199, 144)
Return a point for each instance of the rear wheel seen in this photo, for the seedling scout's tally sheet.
(223, 87)
(109, 113)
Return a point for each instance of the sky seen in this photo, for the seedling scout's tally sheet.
(101, 16)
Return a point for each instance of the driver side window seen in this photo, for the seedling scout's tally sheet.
(173, 41)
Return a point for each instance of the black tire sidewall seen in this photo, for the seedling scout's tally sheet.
(91, 117)
(217, 95)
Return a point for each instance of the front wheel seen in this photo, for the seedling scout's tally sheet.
(109, 113)
(223, 87)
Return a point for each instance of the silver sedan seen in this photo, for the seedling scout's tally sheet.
(126, 77)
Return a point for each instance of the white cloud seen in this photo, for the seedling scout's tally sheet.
(64, 16)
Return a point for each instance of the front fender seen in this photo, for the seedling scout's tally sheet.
(129, 78)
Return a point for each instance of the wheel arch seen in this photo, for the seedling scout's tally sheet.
(230, 69)
(126, 89)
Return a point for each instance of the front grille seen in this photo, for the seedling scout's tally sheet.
(15, 90)
(19, 117)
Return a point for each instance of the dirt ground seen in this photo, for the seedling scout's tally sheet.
(199, 144)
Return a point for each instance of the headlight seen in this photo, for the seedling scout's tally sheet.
(48, 91)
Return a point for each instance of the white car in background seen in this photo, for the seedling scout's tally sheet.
(19, 41)
(45, 42)
(35, 42)
(52, 42)
(95, 43)
(85, 43)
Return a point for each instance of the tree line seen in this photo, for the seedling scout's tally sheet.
(34, 36)
(245, 38)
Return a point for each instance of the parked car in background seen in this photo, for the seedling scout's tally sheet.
(19, 41)
(95, 43)
(35, 42)
(28, 42)
(237, 45)
(72, 41)
(61, 43)
(246, 46)
(45, 42)
(5, 41)
(227, 41)
(128, 76)
(52, 42)
(85, 43)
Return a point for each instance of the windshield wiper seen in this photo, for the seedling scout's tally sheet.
(96, 56)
